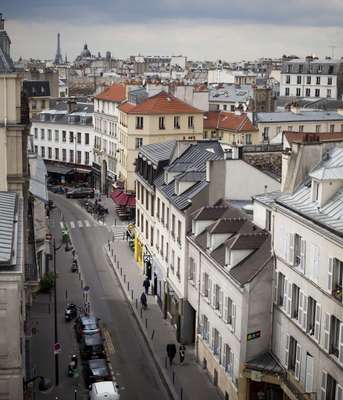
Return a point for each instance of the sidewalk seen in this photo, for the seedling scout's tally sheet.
(187, 381)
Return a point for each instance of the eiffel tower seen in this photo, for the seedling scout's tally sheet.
(58, 57)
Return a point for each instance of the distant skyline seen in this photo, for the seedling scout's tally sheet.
(200, 30)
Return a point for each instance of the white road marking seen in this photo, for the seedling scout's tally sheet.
(72, 224)
(80, 224)
(87, 223)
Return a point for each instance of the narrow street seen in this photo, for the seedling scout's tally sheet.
(131, 361)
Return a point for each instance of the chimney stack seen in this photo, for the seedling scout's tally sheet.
(72, 106)
(2, 23)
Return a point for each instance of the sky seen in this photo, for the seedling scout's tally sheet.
(230, 30)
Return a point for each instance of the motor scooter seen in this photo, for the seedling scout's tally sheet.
(70, 312)
(74, 266)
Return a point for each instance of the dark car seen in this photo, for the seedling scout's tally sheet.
(91, 346)
(96, 371)
(80, 193)
(86, 325)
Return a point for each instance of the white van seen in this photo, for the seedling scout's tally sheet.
(104, 391)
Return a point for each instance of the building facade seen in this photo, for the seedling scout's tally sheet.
(312, 78)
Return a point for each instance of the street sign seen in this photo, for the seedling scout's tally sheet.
(48, 236)
(57, 348)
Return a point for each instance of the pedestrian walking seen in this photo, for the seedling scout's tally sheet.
(146, 285)
(182, 352)
(171, 352)
(144, 301)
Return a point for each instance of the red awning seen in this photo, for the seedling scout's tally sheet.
(132, 201)
(122, 199)
(116, 193)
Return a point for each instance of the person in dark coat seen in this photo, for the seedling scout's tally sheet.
(144, 302)
(146, 285)
(182, 352)
(171, 352)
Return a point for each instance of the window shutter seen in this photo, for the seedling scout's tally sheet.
(289, 299)
(224, 356)
(340, 346)
(232, 362)
(233, 317)
(323, 386)
(291, 248)
(339, 392)
(330, 274)
(203, 284)
(226, 309)
(221, 298)
(297, 361)
(316, 265)
(317, 323)
(214, 299)
(212, 341)
(209, 290)
(285, 295)
(275, 280)
(220, 344)
(300, 310)
(287, 351)
(309, 374)
(327, 331)
(302, 255)
(304, 321)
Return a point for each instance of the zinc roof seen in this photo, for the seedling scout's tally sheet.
(7, 220)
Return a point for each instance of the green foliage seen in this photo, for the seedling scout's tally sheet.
(47, 282)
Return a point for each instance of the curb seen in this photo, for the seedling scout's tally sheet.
(171, 391)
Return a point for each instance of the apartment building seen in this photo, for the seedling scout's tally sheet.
(230, 291)
(230, 127)
(158, 119)
(106, 115)
(305, 219)
(271, 125)
(312, 78)
(64, 133)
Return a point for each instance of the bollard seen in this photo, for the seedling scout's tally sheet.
(141, 312)
(117, 264)
(66, 294)
(181, 393)
(128, 286)
(115, 257)
(121, 271)
(153, 334)
(146, 323)
(108, 245)
(131, 294)
(136, 304)
(173, 377)
(112, 253)
(124, 278)
(166, 363)
(49, 308)
(81, 283)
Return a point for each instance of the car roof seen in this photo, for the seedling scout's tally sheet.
(108, 387)
(88, 319)
(93, 339)
(98, 367)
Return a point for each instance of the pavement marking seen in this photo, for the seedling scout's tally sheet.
(80, 224)
(87, 223)
(72, 224)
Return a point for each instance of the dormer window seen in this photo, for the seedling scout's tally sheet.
(208, 240)
(315, 190)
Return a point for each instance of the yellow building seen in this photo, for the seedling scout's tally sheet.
(159, 118)
(230, 127)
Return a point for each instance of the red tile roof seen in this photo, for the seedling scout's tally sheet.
(161, 103)
(116, 93)
(228, 121)
(308, 137)
(126, 107)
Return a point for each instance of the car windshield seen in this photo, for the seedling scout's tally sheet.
(90, 327)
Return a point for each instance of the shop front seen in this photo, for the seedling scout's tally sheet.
(173, 308)
(96, 176)
(139, 252)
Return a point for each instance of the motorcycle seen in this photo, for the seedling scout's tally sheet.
(74, 266)
(70, 312)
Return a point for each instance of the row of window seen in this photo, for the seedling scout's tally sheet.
(301, 80)
(221, 351)
(310, 93)
(307, 312)
(47, 152)
(47, 133)
(312, 68)
(106, 127)
(290, 128)
(162, 122)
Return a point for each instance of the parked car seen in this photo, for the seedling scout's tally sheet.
(104, 391)
(96, 371)
(80, 193)
(86, 325)
(91, 346)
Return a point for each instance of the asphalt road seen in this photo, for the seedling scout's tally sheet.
(132, 363)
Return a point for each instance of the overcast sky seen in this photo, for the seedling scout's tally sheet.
(212, 29)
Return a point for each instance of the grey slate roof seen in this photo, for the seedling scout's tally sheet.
(318, 67)
(158, 152)
(7, 220)
(6, 63)
(268, 199)
(231, 93)
(311, 104)
(302, 116)
(265, 362)
(331, 214)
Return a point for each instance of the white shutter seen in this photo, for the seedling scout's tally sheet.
(214, 299)
(226, 309)
(220, 344)
(309, 374)
(212, 341)
(224, 356)
(290, 258)
(316, 265)
(221, 298)
(302, 255)
(340, 345)
(232, 361)
(304, 321)
(317, 323)
(287, 351)
(327, 331)
(297, 361)
(323, 386)
(300, 310)
(275, 280)
(339, 392)
(285, 294)
(233, 324)
(209, 290)
(203, 284)
(330, 274)
(289, 299)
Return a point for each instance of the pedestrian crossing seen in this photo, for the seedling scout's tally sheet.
(80, 224)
